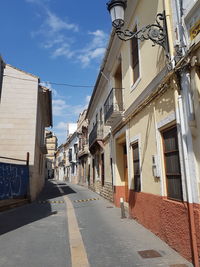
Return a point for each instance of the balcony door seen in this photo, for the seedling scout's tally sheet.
(118, 88)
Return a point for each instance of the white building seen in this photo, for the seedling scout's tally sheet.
(71, 151)
(71, 128)
(60, 164)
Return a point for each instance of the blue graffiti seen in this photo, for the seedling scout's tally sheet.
(14, 180)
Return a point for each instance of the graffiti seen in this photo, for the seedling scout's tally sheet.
(14, 180)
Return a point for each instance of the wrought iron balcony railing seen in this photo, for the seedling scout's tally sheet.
(96, 134)
(113, 105)
(83, 146)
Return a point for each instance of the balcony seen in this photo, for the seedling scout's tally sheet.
(113, 106)
(95, 135)
(83, 147)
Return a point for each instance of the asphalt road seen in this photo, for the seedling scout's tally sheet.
(69, 225)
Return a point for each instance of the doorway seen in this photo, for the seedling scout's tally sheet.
(125, 172)
(102, 170)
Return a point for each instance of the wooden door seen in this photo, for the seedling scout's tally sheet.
(93, 170)
(102, 170)
(125, 172)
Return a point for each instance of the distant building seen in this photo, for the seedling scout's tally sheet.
(83, 149)
(60, 163)
(71, 158)
(71, 128)
(51, 144)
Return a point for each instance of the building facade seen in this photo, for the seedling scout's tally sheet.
(60, 158)
(71, 151)
(51, 144)
(25, 111)
(143, 122)
(83, 149)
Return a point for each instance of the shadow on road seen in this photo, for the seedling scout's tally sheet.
(18, 217)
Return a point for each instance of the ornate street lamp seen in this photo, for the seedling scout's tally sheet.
(156, 32)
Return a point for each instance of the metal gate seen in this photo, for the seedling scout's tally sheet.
(14, 180)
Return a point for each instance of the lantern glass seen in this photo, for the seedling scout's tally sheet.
(117, 16)
(116, 9)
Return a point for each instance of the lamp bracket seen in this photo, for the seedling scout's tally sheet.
(155, 32)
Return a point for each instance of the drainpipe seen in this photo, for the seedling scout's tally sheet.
(188, 181)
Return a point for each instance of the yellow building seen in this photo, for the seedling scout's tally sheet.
(148, 98)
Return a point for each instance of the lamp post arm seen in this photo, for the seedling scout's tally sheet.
(156, 32)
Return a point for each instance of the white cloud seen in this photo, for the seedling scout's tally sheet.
(61, 125)
(87, 99)
(91, 54)
(52, 42)
(77, 109)
(53, 37)
(49, 86)
(56, 24)
(95, 49)
(99, 38)
(59, 107)
(71, 113)
(63, 50)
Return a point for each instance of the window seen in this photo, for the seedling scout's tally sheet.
(136, 167)
(70, 154)
(172, 164)
(101, 116)
(135, 58)
(96, 118)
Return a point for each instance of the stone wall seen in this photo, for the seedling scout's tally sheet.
(105, 191)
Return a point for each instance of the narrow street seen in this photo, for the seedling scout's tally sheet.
(46, 233)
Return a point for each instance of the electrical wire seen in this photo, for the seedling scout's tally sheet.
(53, 83)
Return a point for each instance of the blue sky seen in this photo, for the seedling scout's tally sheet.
(61, 41)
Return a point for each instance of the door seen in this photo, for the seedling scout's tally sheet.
(102, 170)
(125, 172)
(93, 170)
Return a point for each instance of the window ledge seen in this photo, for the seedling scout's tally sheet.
(175, 201)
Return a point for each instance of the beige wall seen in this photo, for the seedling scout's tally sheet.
(143, 128)
(18, 114)
(152, 59)
(22, 123)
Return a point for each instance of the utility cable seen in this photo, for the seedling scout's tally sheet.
(49, 82)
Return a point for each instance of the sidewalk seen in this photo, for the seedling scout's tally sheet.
(112, 241)
(12, 203)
